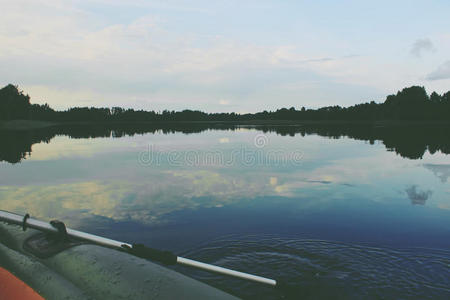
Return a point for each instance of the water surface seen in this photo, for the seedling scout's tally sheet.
(345, 212)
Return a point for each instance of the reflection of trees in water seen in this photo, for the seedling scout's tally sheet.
(16, 145)
(410, 141)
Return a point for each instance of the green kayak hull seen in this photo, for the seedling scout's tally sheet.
(93, 272)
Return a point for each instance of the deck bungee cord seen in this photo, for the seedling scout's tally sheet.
(139, 250)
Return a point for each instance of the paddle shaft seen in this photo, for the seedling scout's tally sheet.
(44, 226)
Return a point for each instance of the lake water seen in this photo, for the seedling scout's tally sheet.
(332, 212)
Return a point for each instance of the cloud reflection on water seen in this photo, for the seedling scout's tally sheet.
(442, 171)
(416, 196)
(112, 184)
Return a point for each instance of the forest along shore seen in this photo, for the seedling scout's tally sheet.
(34, 124)
(25, 124)
(411, 104)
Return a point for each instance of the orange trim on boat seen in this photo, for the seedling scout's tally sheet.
(12, 288)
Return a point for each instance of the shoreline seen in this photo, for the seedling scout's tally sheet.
(20, 125)
(25, 124)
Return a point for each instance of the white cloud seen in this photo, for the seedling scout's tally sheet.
(73, 58)
(422, 45)
(442, 72)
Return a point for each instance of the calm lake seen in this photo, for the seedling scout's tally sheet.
(334, 212)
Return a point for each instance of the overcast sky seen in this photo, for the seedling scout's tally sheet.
(242, 56)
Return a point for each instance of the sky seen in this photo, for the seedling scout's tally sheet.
(222, 56)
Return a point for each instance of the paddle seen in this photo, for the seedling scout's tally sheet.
(139, 250)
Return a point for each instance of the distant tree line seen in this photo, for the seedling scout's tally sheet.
(412, 103)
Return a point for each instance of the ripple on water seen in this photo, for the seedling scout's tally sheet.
(316, 269)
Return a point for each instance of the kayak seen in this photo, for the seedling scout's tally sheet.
(12, 287)
(86, 271)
